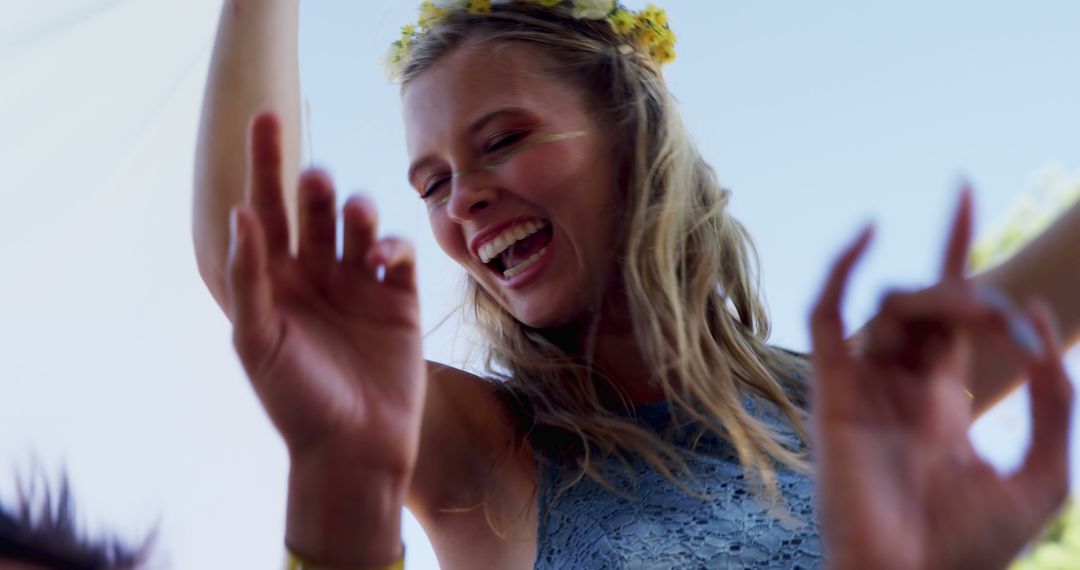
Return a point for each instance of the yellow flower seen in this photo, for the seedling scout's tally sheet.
(394, 62)
(654, 14)
(479, 6)
(643, 23)
(663, 53)
(548, 3)
(430, 14)
(593, 9)
(650, 37)
(623, 22)
(408, 31)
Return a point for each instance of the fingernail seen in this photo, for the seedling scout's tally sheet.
(994, 298)
(1024, 334)
(868, 229)
(234, 237)
(866, 233)
(235, 227)
(1019, 326)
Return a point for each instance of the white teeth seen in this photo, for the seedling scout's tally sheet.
(517, 269)
(507, 238)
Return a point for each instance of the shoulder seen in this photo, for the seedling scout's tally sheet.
(470, 428)
(474, 485)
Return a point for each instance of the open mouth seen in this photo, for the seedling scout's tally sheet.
(518, 256)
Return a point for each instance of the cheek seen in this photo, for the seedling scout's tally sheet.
(447, 235)
(548, 179)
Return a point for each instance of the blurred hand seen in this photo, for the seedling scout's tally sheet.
(332, 346)
(899, 483)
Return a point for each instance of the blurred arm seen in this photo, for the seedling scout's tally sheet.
(1048, 268)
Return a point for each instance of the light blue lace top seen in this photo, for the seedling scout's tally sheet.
(662, 527)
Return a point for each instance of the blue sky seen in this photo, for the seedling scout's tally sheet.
(817, 118)
(116, 363)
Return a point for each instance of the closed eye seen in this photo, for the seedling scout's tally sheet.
(433, 187)
(503, 140)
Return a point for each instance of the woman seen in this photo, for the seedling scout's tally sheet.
(623, 304)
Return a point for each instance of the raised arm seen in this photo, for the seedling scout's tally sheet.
(254, 67)
(1048, 268)
(340, 507)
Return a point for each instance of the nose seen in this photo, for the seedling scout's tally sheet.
(470, 194)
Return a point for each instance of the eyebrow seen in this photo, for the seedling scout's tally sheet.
(475, 127)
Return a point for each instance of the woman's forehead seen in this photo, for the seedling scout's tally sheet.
(470, 82)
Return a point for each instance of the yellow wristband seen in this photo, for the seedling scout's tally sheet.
(294, 562)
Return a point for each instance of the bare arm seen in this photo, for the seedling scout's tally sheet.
(1047, 268)
(254, 67)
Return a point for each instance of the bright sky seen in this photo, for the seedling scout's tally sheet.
(115, 362)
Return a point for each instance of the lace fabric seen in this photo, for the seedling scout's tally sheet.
(659, 526)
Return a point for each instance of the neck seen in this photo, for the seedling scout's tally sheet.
(608, 335)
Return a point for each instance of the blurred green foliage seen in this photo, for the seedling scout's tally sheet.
(1059, 546)
(1051, 192)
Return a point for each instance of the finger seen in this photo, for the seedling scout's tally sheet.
(959, 242)
(830, 355)
(880, 339)
(913, 330)
(318, 223)
(1042, 481)
(954, 302)
(1050, 388)
(248, 284)
(361, 226)
(398, 260)
(264, 181)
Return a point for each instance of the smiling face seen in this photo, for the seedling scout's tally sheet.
(518, 178)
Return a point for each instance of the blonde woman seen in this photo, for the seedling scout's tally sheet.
(635, 415)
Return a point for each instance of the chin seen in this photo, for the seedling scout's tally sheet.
(549, 313)
(550, 305)
(540, 319)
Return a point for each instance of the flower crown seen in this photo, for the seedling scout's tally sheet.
(647, 30)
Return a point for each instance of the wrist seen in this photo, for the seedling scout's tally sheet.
(294, 562)
(342, 514)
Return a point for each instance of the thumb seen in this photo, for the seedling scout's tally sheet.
(248, 286)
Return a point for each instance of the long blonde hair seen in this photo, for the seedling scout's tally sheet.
(689, 270)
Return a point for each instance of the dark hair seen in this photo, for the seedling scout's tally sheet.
(49, 537)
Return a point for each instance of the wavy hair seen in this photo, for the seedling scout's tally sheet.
(689, 271)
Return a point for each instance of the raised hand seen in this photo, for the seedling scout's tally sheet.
(899, 483)
(332, 346)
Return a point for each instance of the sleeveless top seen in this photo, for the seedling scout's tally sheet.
(659, 526)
